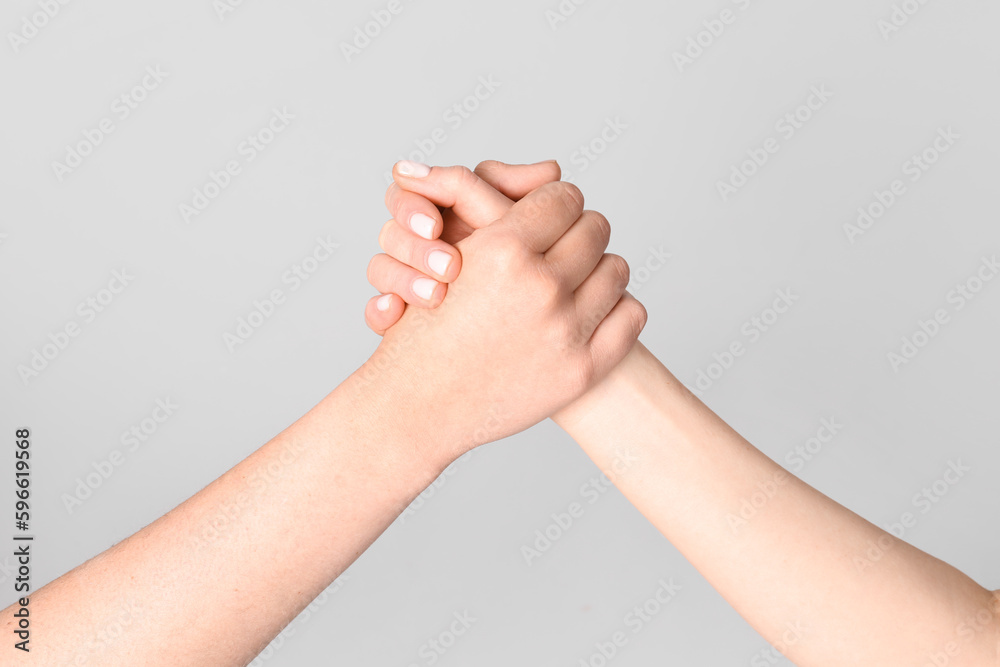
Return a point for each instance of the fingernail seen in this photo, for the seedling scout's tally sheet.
(439, 261)
(384, 302)
(423, 225)
(424, 288)
(413, 169)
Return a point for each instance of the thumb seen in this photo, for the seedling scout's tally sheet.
(518, 180)
(459, 188)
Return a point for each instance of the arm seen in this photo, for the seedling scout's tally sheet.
(802, 561)
(214, 580)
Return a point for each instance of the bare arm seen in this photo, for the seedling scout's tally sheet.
(215, 579)
(799, 569)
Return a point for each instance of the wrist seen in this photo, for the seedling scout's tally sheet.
(388, 408)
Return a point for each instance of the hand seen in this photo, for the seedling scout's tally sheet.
(417, 266)
(536, 317)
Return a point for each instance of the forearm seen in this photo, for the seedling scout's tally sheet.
(215, 579)
(800, 560)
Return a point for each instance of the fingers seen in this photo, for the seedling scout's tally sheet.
(435, 258)
(390, 276)
(575, 254)
(417, 213)
(601, 290)
(616, 335)
(546, 214)
(517, 180)
(414, 212)
(458, 188)
(383, 311)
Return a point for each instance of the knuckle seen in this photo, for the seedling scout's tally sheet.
(464, 177)
(562, 195)
(619, 269)
(374, 266)
(602, 227)
(506, 249)
(571, 195)
(384, 234)
(390, 196)
(548, 288)
(563, 332)
(639, 317)
(488, 168)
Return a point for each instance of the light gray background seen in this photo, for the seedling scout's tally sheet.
(325, 175)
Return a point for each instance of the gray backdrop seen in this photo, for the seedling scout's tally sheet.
(844, 153)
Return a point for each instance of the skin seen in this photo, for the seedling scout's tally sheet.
(215, 580)
(813, 578)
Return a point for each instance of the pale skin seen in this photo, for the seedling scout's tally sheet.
(214, 580)
(813, 578)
